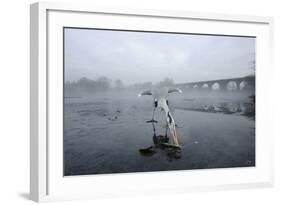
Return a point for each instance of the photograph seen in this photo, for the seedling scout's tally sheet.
(145, 101)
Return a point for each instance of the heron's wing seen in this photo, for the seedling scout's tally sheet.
(148, 92)
(174, 90)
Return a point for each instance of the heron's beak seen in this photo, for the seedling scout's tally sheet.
(175, 137)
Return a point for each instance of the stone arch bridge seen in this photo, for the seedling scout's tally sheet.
(242, 83)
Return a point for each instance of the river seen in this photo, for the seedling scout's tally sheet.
(104, 133)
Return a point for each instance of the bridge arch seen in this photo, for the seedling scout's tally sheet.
(216, 86)
(243, 85)
(205, 85)
(231, 86)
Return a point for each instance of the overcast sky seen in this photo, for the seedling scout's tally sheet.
(136, 57)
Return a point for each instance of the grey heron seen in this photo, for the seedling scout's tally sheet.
(160, 101)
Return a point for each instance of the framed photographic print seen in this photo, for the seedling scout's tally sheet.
(127, 102)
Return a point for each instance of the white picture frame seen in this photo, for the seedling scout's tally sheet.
(46, 179)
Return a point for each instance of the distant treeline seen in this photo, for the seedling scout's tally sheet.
(103, 84)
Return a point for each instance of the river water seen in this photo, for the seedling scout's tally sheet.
(104, 133)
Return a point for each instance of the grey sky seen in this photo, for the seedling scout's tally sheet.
(136, 57)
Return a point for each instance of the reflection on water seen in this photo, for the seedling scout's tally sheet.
(109, 134)
(244, 106)
(161, 142)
